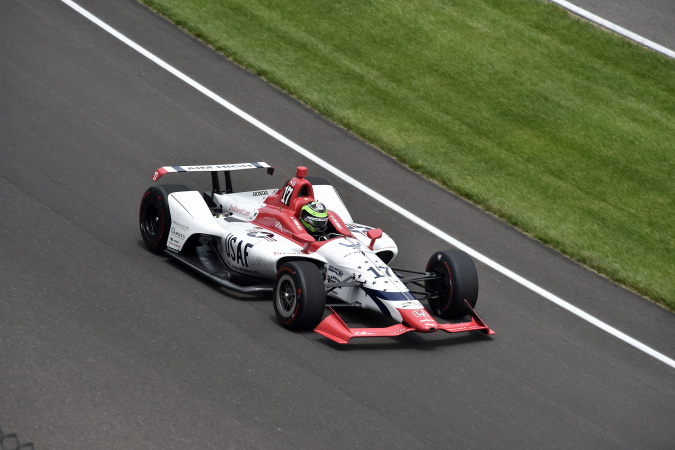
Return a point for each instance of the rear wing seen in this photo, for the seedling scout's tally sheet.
(214, 169)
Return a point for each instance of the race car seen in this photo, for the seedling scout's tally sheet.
(300, 244)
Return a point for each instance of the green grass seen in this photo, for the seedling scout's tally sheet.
(560, 128)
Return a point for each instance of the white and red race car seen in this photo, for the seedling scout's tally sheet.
(252, 242)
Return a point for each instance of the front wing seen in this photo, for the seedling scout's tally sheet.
(334, 328)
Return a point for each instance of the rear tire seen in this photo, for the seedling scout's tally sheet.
(458, 282)
(299, 295)
(154, 216)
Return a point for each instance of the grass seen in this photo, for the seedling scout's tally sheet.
(562, 129)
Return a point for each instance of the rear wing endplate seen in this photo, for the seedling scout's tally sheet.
(214, 169)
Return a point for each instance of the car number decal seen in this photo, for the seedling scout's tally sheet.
(286, 198)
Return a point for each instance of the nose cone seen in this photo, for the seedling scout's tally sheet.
(419, 319)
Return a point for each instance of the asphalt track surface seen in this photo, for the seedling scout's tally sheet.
(104, 345)
(651, 19)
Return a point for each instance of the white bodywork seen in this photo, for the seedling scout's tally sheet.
(250, 249)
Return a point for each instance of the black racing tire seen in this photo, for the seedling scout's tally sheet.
(458, 282)
(299, 295)
(154, 217)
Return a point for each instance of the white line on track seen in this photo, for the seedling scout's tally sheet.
(362, 187)
(617, 29)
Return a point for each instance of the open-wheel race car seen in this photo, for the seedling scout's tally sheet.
(300, 244)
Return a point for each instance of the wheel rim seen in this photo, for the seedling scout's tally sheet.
(442, 286)
(151, 220)
(286, 297)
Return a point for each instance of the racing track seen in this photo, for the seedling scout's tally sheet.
(105, 345)
(651, 19)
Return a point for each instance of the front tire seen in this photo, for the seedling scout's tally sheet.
(154, 216)
(458, 282)
(299, 295)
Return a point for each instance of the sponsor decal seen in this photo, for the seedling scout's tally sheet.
(237, 250)
(221, 167)
(155, 177)
(355, 245)
(260, 193)
(336, 222)
(356, 228)
(425, 317)
(176, 233)
(336, 271)
(332, 279)
(236, 209)
(352, 253)
(281, 228)
(316, 206)
(180, 225)
(259, 233)
(297, 224)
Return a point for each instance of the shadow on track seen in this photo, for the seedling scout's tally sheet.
(11, 442)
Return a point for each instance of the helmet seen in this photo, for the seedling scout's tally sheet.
(314, 216)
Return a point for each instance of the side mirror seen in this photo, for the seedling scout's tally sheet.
(306, 240)
(374, 235)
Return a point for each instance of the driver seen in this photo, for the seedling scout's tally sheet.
(314, 217)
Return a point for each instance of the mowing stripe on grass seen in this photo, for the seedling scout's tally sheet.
(617, 29)
(365, 189)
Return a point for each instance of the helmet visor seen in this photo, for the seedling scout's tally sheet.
(316, 223)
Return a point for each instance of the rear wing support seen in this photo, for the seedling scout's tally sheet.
(216, 183)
